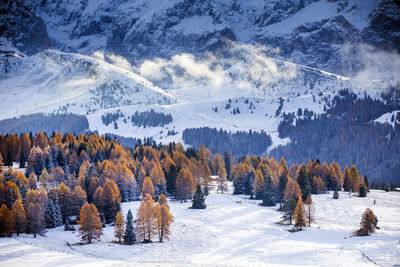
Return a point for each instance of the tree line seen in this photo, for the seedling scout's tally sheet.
(218, 141)
(346, 133)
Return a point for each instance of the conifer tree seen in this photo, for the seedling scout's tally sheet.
(129, 235)
(299, 215)
(198, 201)
(146, 222)
(111, 199)
(310, 210)
(171, 179)
(292, 190)
(35, 219)
(283, 179)
(90, 223)
(53, 215)
(346, 179)
(8, 159)
(268, 197)
(366, 182)
(32, 181)
(304, 181)
(164, 220)
(119, 226)
(335, 194)
(259, 185)
(184, 185)
(64, 200)
(7, 223)
(22, 159)
(288, 208)
(19, 215)
(148, 187)
(222, 182)
(368, 223)
(362, 191)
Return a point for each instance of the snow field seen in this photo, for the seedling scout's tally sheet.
(233, 231)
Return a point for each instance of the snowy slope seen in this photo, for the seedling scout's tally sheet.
(230, 233)
(53, 81)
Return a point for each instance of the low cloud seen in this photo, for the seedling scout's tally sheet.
(242, 66)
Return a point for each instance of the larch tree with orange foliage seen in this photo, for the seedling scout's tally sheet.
(7, 223)
(147, 187)
(111, 199)
(164, 219)
(90, 223)
(292, 190)
(19, 216)
(146, 222)
(119, 226)
(184, 185)
(300, 215)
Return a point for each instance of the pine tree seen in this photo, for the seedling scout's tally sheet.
(19, 215)
(91, 226)
(366, 182)
(288, 209)
(129, 235)
(299, 215)
(68, 226)
(53, 215)
(198, 201)
(119, 226)
(310, 210)
(346, 179)
(281, 188)
(35, 219)
(171, 179)
(22, 159)
(362, 192)
(8, 160)
(7, 223)
(146, 222)
(268, 196)
(368, 223)
(304, 181)
(335, 194)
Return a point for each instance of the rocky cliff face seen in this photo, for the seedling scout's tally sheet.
(322, 34)
(20, 24)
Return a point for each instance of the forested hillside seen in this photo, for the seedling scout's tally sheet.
(348, 134)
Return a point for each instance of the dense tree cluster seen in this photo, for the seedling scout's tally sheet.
(150, 118)
(219, 141)
(108, 118)
(291, 187)
(41, 122)
(63, 172)
(347, 134)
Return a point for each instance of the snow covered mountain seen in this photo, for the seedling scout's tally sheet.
(323, 34)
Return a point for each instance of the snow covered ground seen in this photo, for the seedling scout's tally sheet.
(232, 231)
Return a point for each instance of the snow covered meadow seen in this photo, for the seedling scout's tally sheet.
(232, 231)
